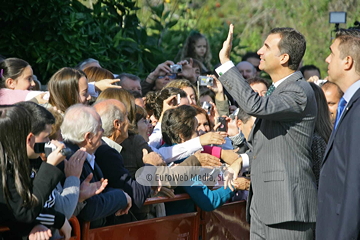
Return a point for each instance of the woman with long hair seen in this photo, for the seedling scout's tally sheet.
(67, 87)
(22, 195)
(322, 132)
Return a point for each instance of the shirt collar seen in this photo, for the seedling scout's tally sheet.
(276, 84)
(91, 160)
(112, 144)
(351, 91)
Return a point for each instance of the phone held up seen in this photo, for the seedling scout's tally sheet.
(222, 127)
(176, 101)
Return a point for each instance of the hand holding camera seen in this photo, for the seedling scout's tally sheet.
(188, 71)
(160, 70)
(206, 81)
(56, 155)
(207, 107)
(176, 68)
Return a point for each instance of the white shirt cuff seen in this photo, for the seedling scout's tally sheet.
(224, 68)
(245, 161)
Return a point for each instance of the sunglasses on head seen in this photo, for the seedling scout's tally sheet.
(172, 76)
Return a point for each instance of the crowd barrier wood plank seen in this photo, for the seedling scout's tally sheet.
(176, 227)
(75, 225)
(226, 222)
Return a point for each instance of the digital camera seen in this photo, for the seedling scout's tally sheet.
(48, 147)
(205, 81)
(176, 68)
(207, 107)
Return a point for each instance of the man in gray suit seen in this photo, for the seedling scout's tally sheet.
(282, 197)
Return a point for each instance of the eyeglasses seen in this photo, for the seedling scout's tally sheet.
(172, 76)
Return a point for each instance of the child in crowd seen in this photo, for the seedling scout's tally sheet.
(197, 47)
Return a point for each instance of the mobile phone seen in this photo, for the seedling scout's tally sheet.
(234, 114)
(178, 98)
(222, 127)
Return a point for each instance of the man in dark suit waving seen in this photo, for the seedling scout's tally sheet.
(282, 197)
(339, 184)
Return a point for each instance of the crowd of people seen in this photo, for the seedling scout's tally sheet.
(286, 143)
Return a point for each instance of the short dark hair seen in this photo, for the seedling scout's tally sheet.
(129, 76)
(135, 94)
(254, 80)
(40, 116)
(349, 45)
(292, 43)
(243, 116)
(207, 91)
(309, 68)
(164, 94)
(176, 121)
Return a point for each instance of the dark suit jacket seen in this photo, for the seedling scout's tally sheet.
(112, 165)
(98, 207)
(283, 185)
(339, 185)
(132, 152)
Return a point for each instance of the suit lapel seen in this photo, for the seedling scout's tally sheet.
(295, 77)
(334, 132)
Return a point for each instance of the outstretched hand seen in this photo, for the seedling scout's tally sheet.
(224, 54)
(87, 189)
(232, 173)
(106, 83)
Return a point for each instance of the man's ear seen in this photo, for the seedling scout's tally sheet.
(30, 140)
(117, 124)
(182, 137)
(284, 58)
(88, 137)
(240, 124)
(10, 83)
(348, 63)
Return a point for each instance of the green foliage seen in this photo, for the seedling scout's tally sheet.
(52, 34)
(135, 36)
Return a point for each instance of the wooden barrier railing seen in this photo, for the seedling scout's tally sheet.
(226, 222)
(180, 226)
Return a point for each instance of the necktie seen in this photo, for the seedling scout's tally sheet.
(339, 111)
(270, 90)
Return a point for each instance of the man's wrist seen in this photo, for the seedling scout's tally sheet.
(151, 78)
(224, 60)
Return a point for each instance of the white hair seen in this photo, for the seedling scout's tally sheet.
(79, 120)
(108, 115)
